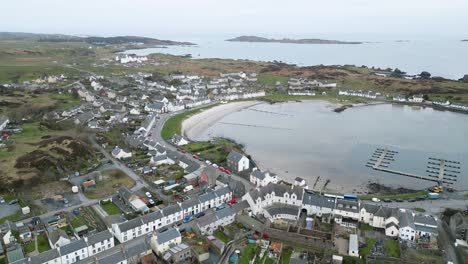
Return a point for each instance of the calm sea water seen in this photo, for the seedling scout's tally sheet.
(308, 140)
(441, 57)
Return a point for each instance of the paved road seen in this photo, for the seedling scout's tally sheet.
(432, 207)
(156, 136)
(139, 182)
(447, 240)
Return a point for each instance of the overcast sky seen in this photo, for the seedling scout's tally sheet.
(307, 18)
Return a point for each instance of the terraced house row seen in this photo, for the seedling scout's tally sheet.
(169, 215)
(276, 201)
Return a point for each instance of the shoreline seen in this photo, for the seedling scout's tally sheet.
(193, 126)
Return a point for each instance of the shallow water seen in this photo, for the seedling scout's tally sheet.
(308, 140)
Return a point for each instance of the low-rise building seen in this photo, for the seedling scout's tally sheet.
(162, 242)
(237, 162)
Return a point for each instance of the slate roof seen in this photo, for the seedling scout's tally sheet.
(234, 156)
(116, 257)
(152, 217)
(391, 224)
(206, 197)
(125, 193)
(207, 219)
(317, 200)
(72, 247)
(55, 234)
(420, 219)
(168, 235)
(99, 237)
(406, 219)
(426, 229)
(222, 191)
(131, 224)
(259, 174)
(350, 206)
(138, 249)
(282, 209)
(224, 213)
(190, 203)
(171, 209)
(45, 256)
(278, 189)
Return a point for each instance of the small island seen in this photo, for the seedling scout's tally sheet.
(287, 40)
(465, 40)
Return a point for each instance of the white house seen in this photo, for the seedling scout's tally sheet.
(119, 153)
(134, 111)
(209, 223)
(99, 242)
(161, 159)
(419, 98)
(57, 238)
(298, 181)
(73, 252)
(162, 242)
(237, 162)
(260, 178)
(179, 140)
(406, 226)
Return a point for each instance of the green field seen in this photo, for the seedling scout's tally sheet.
(271, 79)
(286, 256)
(174, 124)
(247, 254)
(30, 247)
(216, 150)
(370, 242)
(221, 236)
(421, 210)
(391, 248)
(110, 208)
(42, 243)
(13, 218)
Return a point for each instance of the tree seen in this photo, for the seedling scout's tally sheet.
(398, 73)
(425, 75)
(465, 78)
(426, 97)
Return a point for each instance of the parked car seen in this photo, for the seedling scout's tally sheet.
(399, 200)
(2, 200)
(387, 200)
(214, 165)
(188, 219)
(200, 214)
(14, 201)
(195, 157)
(208, 162)
(228, 172)
(183, 151)
(164, 229)
(148, 194)
(151, 202)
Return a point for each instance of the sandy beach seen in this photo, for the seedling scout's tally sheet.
(194, 126)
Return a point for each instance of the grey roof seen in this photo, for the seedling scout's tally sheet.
(168, 235)
(156, 105)
(353, 242)
(131, 224)
(406, 219)
(99, 237)
(240, 206)
(160, 148)
(171, 209)
(207, 219)
(206, 197)
(125, 193)
(259, 174)
(152, 217)
(190, 203)
(370, 208)
(234, 156)
(72, 247)
(112, 259)
(159, 158)
(425, 220)
(278, 189)
(427, 229)
(226, 212)
(138, 249)
(55, 234)
(282, 209)
(222, 191)
(383, 212)
(319, 201)
(45, 256)
(345, 205)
